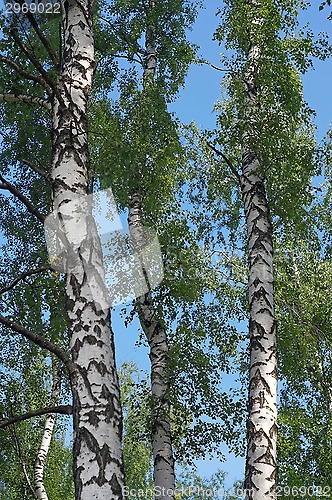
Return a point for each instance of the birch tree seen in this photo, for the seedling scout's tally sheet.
(40, 462)
(261, 463)
(149, 167)
(164, 473)
(97, 452)
(265, 99)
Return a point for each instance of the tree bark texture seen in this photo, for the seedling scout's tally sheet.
(163, 459)
(261, 468)
(163, 469)
(97, 417)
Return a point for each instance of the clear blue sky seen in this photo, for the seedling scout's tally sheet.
(196, 103)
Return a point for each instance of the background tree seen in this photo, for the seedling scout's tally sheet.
(65, 89)
(263, 126)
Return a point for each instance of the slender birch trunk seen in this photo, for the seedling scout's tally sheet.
(261, 469)
(97, 418)
(163, 470)
(47, 434)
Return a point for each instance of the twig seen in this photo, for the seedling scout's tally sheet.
(31, 208)
(50, 85)
(129, 58)
(22, 276)
(38, 170)
(23, 72)
(22, 462)
(226, 160)
(204, 61)
(41, 35)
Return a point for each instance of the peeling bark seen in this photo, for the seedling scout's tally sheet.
(40, 462)
(261, 468)
(97, 417)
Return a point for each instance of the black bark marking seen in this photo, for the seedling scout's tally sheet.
(257, 331)
(93, 418)
(109, 408)
(258, 380)
(259, 294)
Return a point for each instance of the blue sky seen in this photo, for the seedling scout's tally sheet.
(196, 102)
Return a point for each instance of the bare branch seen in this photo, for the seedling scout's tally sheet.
(34, 60)
(129, 58)
(38, 170)
(22, 462)
(226, 160)
(38, 340)
(24, 73)
(204, 61)
(19, 278)
(28, 99)
(41, 35)
(31, 208)
(62, 409)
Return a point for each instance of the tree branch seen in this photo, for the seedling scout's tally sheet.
(24, 73)
(22, 276)
(22, 462)
(204, 61)
(38, 170)
(38, 340)
(28, 99)
(40, 35)
(49, 84)
(62, 409)
(129, 58)
(226, 160)
(31, 208)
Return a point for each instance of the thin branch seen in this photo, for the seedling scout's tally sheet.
(21, 277)
(38, 340)
(204, 61)
(226, 160)
(62, 409)
(31, 208)
(129, 58)
(41, 35)
(22, 462)
(38, 170)
(23, 72)
(28, 99)
(123, 36)
(34, 60)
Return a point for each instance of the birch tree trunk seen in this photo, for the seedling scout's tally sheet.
(163, 470)
(97, 418)
(40, 462)
(261, 469)
(163, 460)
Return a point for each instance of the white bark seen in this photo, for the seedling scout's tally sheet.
(47, 435)
(163, 470)
(97, 452)
(27, 99)
(261, 469)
